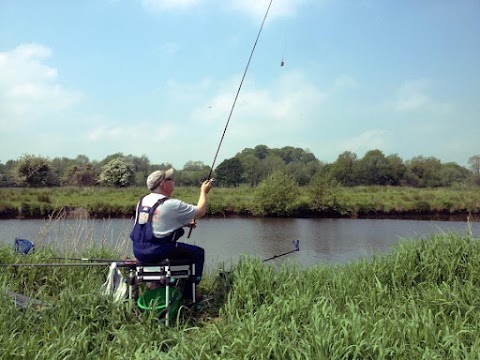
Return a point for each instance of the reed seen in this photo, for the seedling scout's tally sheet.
(419, 301)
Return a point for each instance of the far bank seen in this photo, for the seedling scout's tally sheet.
(376, 202)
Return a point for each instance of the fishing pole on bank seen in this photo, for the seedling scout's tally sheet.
(92, 264)
(126, 263)
(296, 244)
(238, 91)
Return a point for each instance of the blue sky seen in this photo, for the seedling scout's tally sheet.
(158, 78)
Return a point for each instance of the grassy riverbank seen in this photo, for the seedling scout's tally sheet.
(420, 301)
(365, 201)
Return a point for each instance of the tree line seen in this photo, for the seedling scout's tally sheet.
(249, 167)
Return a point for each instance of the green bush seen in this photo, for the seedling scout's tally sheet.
(323, 192)
(276, 195)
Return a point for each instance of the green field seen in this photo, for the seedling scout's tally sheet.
(422, 301)
(364, 201)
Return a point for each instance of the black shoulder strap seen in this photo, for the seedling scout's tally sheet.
(152, 209)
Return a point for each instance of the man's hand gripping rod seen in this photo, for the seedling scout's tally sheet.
(193, 224)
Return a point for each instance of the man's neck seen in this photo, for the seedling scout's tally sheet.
(160, 192)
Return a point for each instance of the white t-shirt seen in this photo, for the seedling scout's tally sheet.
(169, 216)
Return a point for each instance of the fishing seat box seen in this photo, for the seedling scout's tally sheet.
(166, 270)
(169, 273)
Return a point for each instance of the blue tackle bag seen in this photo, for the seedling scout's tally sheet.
(23, 246)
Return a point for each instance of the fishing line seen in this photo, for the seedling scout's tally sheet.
(238, 91)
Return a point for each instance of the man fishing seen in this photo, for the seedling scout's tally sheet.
(168, 216)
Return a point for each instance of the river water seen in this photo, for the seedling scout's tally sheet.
(322, 241)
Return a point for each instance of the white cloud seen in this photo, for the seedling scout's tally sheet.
(141, 132)
(182, 92)
(256, 8)
(281, 112)
(109, 137)
(413, 95)
(345, 82)
(29, 89)
(368, 140)
(276, 114)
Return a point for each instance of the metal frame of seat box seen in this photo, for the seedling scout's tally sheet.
(166, 272)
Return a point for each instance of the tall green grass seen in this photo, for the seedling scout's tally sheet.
(422, 301)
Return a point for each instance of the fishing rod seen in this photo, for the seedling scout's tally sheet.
(88, 259)
(296, 243)
(209, 177)
(54, 264)
(24, 246)
(126, 263)
(238, 91)
(119, 263)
